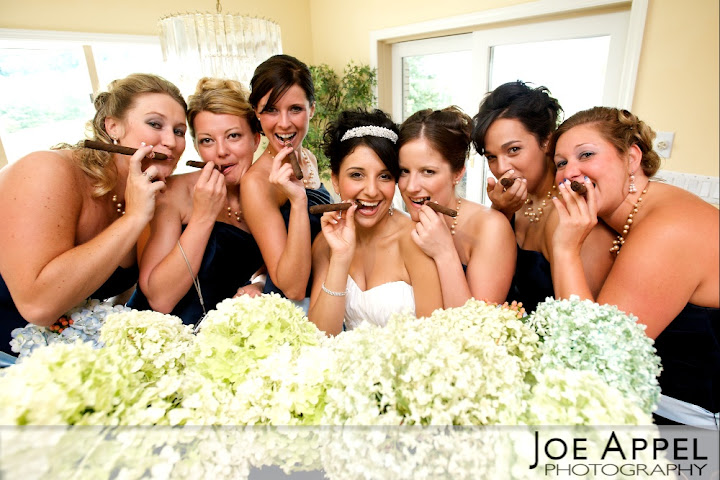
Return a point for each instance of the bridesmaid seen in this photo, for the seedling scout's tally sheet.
(71, 217)
(512, 130)
(276, 202)
(200, 250)
(666, 272)
(474, 252)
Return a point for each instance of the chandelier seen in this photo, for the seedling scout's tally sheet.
(217, 45)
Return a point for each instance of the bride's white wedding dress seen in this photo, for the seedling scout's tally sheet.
(377, 304)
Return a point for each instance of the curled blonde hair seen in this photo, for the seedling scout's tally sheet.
(115, 102)
(219, 96)
(619, 127)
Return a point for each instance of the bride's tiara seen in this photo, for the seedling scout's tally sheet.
(372, 131)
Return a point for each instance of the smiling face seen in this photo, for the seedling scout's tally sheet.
(286, 121)
(425, 175)
(582, 151)
(227, 141)
(509, 146)
(158, 120)
(363, 177)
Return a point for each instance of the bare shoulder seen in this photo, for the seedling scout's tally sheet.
(677, 214)
(484, 219)
(52, 172)
(180, 186)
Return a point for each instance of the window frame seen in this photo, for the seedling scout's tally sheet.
(381, 41)
(19, 38)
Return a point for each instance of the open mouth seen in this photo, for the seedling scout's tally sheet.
(367, 208)
(285, 138)
(419, 201)
(224, 168)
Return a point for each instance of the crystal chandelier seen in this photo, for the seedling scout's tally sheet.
(217, 45)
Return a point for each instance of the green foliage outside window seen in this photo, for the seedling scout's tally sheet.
(333, 95)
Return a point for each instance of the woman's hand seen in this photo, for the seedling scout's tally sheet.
(253, 290)
(141, 187)
(209, 194)
(339, 231)
(577, 216)
(507, 200)
(282, 176)
(431, 233)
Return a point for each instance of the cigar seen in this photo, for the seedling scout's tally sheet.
(329, 207)
(294, 163)
(109, 147)
(507, 182)
(440, 209)
(196, 164)
(578, 187)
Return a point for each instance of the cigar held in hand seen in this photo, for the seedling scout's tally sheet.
(441, 209)
(329, 207)
(109, 147)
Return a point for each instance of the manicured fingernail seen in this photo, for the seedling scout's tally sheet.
(586, 178)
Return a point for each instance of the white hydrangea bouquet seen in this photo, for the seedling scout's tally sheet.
(259, 361)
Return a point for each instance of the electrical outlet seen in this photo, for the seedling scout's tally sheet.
(663, 143)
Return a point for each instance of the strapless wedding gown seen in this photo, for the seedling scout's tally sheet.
(377, 304)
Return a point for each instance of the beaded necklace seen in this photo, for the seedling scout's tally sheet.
(620, 241)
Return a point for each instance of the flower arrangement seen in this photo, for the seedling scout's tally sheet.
(582, 335)
(80, 323)
(259, 361)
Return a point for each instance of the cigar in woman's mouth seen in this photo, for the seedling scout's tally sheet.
(109, 147)
(441, 209)
(294, 163)
(507, 182)
(196, 164)
(578, 187)
(331, 207)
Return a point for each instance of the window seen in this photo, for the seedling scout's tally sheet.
(47, 83)
(586, 57)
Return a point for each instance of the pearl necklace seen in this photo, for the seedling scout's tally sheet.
(455, 220)
(119, 205)
(237, 214)
(309, 179)
(530, 211)
(620, 241)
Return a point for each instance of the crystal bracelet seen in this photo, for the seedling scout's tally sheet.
(331, 293)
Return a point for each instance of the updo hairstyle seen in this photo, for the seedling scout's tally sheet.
(115, 102)
(621, 128)
(448, 131)
(220, 96)
(538, 112)
(336, 150)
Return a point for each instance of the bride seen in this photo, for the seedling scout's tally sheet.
(365, 265)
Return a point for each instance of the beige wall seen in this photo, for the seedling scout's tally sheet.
(139, 17)
(677, 85)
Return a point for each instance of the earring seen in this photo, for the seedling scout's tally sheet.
(456, 182)
(632, 188)
(114, 141)
(392, 210)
